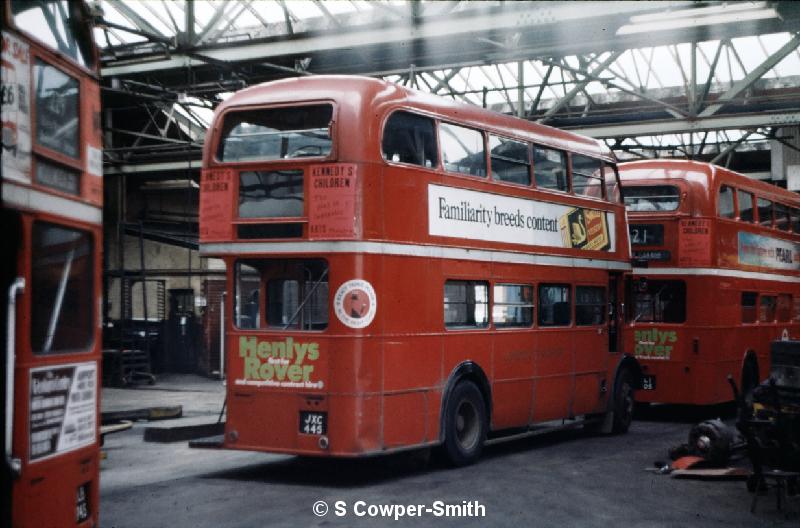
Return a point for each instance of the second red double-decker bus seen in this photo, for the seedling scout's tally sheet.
(408, 271)
(716, 277)
(52, 234)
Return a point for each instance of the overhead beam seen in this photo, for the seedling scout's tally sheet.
(754, 75)
(474, 23)
(677, 126)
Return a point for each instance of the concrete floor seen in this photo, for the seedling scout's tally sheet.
(562, 479)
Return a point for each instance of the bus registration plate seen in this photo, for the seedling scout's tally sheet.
(313, 423)
(649, 382)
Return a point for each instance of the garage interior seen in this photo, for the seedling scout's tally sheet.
(715, 82)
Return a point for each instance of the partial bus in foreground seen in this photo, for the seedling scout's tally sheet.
(52, 230)
(407, 271)
(716, 277)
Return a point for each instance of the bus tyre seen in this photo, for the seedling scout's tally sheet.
(623, 402)
(465, 424)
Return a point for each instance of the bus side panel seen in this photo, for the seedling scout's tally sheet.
(553, 390)
(512, 388)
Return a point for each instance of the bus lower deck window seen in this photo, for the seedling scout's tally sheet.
(513, 306)
(554, 305)
(466, 304)
(749, 307)
(590, 305)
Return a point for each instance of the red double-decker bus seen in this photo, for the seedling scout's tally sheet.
(716, 277)
(408, 271)
(52, 197)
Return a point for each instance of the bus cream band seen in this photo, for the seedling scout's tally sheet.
(355, 303)
(461, 213)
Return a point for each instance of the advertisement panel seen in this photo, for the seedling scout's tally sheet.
(462, 213)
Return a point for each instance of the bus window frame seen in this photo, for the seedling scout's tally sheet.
(240, 165)
(752, 206)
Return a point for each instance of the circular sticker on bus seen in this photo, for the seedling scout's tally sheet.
(355, 303)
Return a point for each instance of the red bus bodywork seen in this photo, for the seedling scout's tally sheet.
(738, 272)
(52, 219)
(381, 370)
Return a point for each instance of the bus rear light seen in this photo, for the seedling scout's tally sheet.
(696, 345)
(233, 436)
(323, 442)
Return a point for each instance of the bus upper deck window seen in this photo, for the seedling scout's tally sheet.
(510, 160)
(651, 198)
(550, 169)
(765, 212)
(794, 218)
(782, 217)
(612, 184)
(587, 176)
(276, 133)
(725, 205)
(745, 206)
(57, 112)
(462, 150)
(410, 138)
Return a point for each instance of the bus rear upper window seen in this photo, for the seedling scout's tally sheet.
(276, 133)
(410, 138)
(462, 150)
(648, 198)
(58, 24)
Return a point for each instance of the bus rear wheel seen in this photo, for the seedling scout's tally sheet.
(465, 424)
(623, 402)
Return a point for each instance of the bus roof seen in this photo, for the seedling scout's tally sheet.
(705, 175)
(367, 96)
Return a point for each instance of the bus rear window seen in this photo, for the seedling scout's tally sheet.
(62, 289)
(659, 301)
(292, 292)
(276, 133)
(648, 198)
